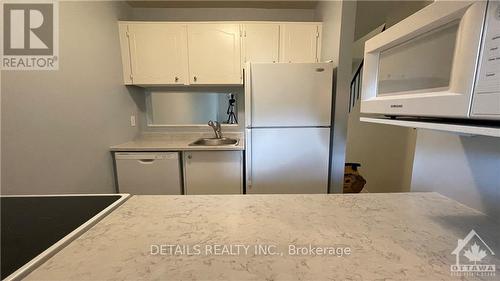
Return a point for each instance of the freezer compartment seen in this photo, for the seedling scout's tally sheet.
(289, 94)
(287, 160)
(149, 173)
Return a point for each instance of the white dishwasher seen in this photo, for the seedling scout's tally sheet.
(148, 173)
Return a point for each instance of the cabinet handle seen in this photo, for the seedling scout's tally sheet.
(195, 78)
(190, 156)
(176, 79)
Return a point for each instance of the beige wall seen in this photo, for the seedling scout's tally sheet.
(385, 153)
(330, 13)
(221, 14)
(370, 14)
(465, 168)
(338, 36)
(57, 126)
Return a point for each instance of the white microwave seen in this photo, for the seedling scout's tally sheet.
(443, 61)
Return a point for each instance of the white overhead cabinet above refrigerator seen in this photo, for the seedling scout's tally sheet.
(288, 120)
(281, 42)
(210, 53)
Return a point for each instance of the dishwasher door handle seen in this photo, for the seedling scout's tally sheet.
(146, 161)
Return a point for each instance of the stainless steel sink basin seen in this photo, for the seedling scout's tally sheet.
(215, 142)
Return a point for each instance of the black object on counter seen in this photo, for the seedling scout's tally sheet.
(30, 225)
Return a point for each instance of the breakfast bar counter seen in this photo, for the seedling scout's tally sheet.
(279, 237)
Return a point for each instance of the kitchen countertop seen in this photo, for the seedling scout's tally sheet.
(176, 142)
(392, 236)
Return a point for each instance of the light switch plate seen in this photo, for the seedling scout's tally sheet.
(132, 120)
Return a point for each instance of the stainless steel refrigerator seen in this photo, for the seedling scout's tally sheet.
(287, 121)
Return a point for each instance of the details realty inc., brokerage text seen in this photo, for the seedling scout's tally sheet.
(246, 250)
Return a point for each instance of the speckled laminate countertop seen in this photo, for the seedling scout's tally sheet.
(176, 142)
(407, 236)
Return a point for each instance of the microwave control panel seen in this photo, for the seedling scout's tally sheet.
(486, 99)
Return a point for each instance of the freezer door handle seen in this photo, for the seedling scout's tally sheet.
(248, 94)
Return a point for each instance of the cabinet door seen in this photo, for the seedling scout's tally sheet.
(125, 51)
(214, 53)
(158, 53)
(261, 42)
(213, 172)
(300, 42)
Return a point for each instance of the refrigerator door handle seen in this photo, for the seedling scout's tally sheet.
(248, 158)
(248, 95)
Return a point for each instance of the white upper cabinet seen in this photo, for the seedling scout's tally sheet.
(125, 50)
(210, 53)
(158, 53)
(300, 42)
(214, 53)
(261, 42)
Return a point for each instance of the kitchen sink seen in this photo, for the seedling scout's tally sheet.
(214, 142)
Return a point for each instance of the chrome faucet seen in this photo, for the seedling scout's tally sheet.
(217, 129)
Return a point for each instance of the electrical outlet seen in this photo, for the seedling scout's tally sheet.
(132, 120)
